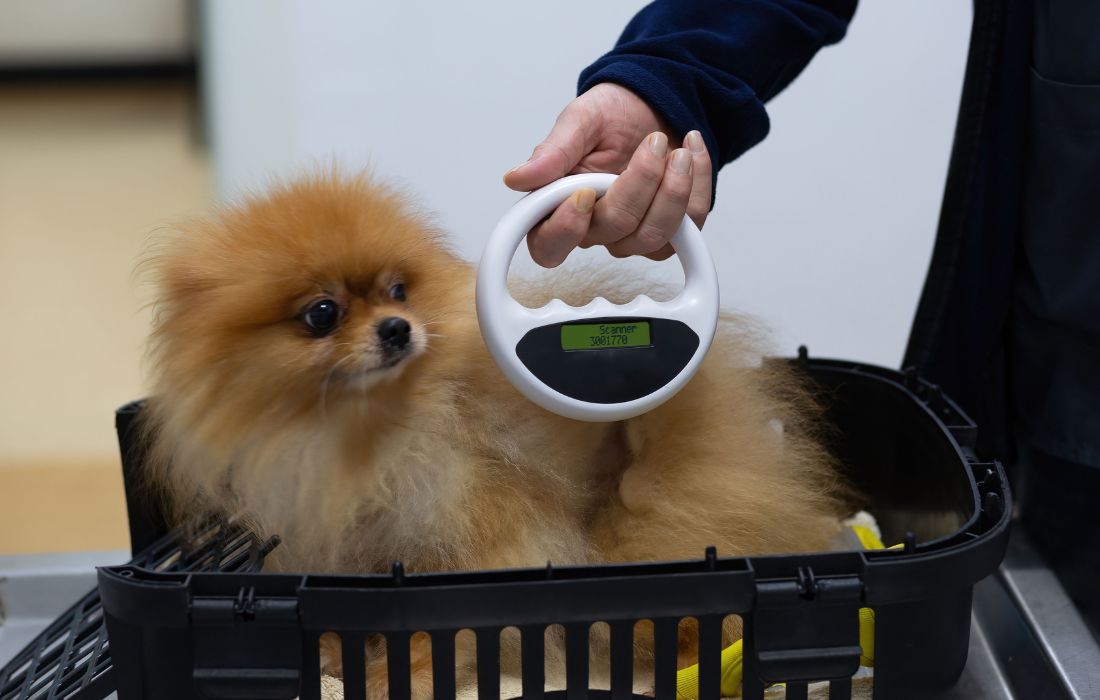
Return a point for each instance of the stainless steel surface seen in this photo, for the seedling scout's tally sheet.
(36, 588)
(1036, 636)
(982, 678)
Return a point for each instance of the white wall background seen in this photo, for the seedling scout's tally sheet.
(824, 230)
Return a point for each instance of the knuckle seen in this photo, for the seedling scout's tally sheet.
(621, 220)
(678, 189)
(536, 235)
(650, 238)
(544, 148)
(559, 228)
(566, 218)
(699, 203)
(554, 152)
(698, 206)
(536, 250)
(701, 162)
(650, 173)
(600, 234)
(546, 230)
(663, 254)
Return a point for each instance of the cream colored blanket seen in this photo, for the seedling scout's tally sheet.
(510, 687)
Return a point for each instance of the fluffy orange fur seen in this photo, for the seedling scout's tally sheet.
(358, 461)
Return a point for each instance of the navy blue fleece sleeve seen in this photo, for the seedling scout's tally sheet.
(712, 64)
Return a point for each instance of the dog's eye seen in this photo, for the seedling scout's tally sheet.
(397, 292)
(322, 316)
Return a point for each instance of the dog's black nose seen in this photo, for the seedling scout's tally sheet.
(394, 332)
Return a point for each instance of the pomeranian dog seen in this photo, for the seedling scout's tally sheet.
(317, 367)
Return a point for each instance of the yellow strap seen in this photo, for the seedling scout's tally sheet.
(867, 637)
(867, 537)
(687, 679)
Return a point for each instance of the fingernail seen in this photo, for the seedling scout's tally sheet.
(519, 167)
(530, 159)
(658, 143)
(584, 200)
(681, 161)
(694, 141)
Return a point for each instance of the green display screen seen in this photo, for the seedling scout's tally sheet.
(602, 336)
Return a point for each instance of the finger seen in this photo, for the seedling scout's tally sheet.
(569, 141)
(663, 254)
(702, 172)
(665, 213)
(622, 209)
(551, 241)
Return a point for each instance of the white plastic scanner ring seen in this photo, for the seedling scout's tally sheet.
(666, 340)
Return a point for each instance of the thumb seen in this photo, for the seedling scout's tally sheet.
(571, 139)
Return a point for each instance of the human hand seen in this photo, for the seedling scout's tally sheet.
(609, 129)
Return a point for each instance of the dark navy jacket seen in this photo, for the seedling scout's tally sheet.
(711, 66)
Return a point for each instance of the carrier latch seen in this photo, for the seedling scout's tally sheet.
(246, 646)
(806, 629)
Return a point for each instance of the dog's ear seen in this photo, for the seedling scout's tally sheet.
(181, 277)
(188, 261)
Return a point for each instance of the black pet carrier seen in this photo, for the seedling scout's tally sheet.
(205, 623)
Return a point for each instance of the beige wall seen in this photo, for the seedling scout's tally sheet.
(86, 173)
(66, 32)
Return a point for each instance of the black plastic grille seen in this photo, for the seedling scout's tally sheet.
(71, 659)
